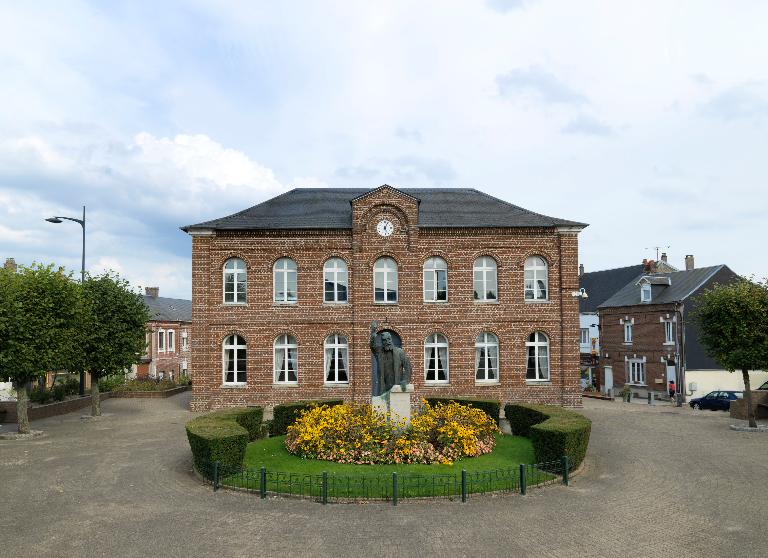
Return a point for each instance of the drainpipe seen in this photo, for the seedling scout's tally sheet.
(680, 347)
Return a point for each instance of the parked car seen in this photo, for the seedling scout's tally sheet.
(716, 400)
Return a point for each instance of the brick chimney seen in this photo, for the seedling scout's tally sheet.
(649, 266)
(581, 270)
(689, 262)
(154, 292)
(664, 257)
(10, 263)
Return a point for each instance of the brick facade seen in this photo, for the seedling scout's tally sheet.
(171, 363)
(310, 320)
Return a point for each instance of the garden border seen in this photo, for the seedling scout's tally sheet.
(150, 394)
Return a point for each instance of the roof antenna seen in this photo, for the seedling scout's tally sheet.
(657, 250)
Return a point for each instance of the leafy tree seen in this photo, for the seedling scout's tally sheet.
(112, 335)
(39, 311)
(734, 329)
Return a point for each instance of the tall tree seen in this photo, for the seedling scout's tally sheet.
(112, 334)
(734, 329)
(39, 311)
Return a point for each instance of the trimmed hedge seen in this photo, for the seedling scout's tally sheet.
(286, 414)
(553, 431)
(223, 435)
(490, 407)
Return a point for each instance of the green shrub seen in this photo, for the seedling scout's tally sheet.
(248, 417)
(40, 395)
(553, 431)
(285, 415)
(490, 407)
(59, 392)
(72, 385)
(216, 439)
(111, 383)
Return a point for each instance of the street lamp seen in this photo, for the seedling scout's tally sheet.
(58, 219)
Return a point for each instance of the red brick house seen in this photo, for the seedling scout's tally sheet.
(478, 291)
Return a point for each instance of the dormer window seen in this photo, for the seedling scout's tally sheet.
(645, 292)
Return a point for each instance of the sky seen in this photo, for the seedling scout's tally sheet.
(646, 120)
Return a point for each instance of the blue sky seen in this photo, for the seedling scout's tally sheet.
(647, 121)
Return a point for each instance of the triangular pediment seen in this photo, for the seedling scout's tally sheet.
(385, 188)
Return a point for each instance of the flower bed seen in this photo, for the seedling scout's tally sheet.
(358, 434)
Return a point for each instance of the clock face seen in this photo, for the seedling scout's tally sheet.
(385, 228)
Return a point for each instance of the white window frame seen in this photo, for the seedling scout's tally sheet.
(238, 270)
(287, 270)
(386, 275)
(636, 371)
(669, 332)
(645, 292)
(628, 331)
(584, 336)
(184, 340)
(336, 268)
(235, 343)
(537, 344)
(339, 344)
(170, 339)
(484, 265)
(433, 343)
(432, 270)
(536, 273)
(160, 340)
(484, 344)
(284, 343)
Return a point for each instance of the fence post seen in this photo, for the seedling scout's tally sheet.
(565, 470)
(215, 476)
(394, 488)
(522, 479)
(263, 482)
(324, 491)
(463, 485)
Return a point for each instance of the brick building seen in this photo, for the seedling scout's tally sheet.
(167, 353)
(479, 292)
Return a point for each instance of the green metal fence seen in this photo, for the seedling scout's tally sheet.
(329, 487)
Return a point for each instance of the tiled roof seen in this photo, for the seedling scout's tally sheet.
(164, 309)
(602, 285)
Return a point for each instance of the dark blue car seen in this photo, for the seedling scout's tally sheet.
(716, 400)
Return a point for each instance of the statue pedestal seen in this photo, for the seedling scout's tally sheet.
(395, 402)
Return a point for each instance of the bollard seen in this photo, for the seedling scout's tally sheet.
(522, 479)
(565, 470)
(215, 476)
(263, 482)
(394, 489)
(463, 485)
(324, 488)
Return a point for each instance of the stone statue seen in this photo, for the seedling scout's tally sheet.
(394, 366)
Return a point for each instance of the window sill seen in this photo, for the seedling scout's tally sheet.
(486, 301)
(486, 382)
(238, 385)
(380, 303)
(542, 301)
(234, 304)
(628, 343)
(435, 302)
(337, 385)
(437, 384)
(330, 304)
(284, 304)
(669, 343)
(285, 384)
(538, 382)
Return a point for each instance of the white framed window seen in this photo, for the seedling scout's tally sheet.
(484, 279)
(146, 344)
(235, 281)
(645, 292)
(335, 280)
(336, 359)
(487, 358)
(385, 281)
(537, 348)
(233, 360)
(284, 273)
(636, 371)
(628, 331)
(584, 336)
(171, 340)
(184, 367)
(161, 340)
(536, 279)
(669, 332)
(436, 359)
(435, 280)
(184, 340)
(286, 365)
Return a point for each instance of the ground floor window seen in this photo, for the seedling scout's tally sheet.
(233, 356)
(636, 371)
(286, 360)
(336, 351)
(436, 358)
(538, 357)
(486, 358)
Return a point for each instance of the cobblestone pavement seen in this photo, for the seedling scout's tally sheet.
(659, 481)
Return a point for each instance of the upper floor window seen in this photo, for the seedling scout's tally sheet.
(584, 336)
(538, 357)
(435, 280)
(536, 280)
(436, 358)
(335, 280)
(161, 340)
(628, 331)
(486, 358)
(286, 365)
(285, 280)
(171, 340)
(385, 280)
(184, 340)
(336, 359)
(235, 281)
(484, 279)
(669, 331)
(645, 292)
(636, 371)
(233, 360)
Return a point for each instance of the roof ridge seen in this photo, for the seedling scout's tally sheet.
(523, 209)
(611, 269)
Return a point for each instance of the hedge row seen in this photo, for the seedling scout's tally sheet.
(223, 435)
(286, 414)
(553, 431)
(489, 406)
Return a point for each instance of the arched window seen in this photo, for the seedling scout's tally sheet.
(286, 360)
(336, 359)
(285, 280)
(537, 347)
(487, 358)
(484, 276)
(436, 358)
(235, 281)
(335, 280)
(435, 280)
(233, 360)
(385, 280)
(536, 280)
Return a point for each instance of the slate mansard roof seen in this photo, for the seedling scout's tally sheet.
(162, 309)
(330, 208)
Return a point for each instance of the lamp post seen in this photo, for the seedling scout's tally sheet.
(58, 219)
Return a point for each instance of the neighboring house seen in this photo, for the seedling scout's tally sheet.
(648, 337)
(168, 353)
(477, 291)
